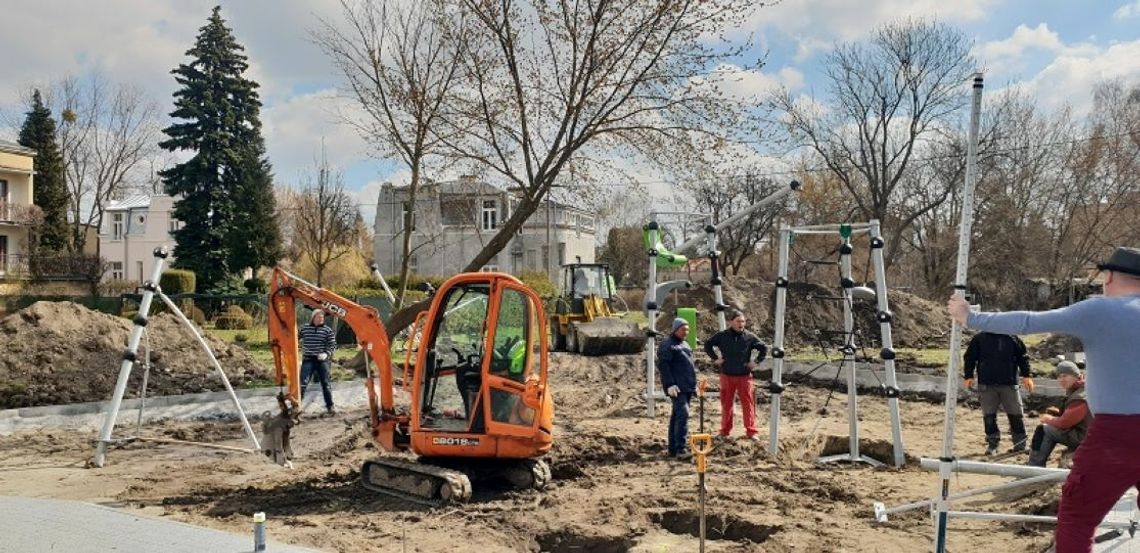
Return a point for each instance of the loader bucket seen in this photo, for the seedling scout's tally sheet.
(606, 336)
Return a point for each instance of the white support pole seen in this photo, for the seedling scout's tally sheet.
(942, 505)
(714, 265)
(217, 366)
(992, 469)
(383, 283)
(887, 354)
(651, 314)
(776, 387)
(882, 512)
(800, 230)
(833, 228)
(849, 349)
(129, 356)
(772, 198)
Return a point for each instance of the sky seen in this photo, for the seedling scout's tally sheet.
(1055, 50)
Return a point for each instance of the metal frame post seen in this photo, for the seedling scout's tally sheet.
(887, 353)
(849, 349)
(714, 265)
(651, 314)
(946, 460)
(129, 357)
(775, 386)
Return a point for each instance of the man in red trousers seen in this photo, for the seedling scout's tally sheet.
(735, 365)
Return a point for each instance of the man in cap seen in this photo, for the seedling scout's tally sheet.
(679, 379)
(1105, 466)
(998, 359)
(318, 342)
(1069, 424)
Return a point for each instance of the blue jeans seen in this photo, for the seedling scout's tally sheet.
(320, 369)
(679, 424)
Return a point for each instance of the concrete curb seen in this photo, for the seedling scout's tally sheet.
(202, 406)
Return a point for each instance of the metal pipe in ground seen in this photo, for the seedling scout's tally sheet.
(993, 469)
(881, 511)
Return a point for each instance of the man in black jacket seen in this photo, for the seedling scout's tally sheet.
(998, 359)
(679, 380)
(735, 364)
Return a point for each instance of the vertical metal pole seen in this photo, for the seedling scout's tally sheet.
(651, 313)
(714, 265)
(847, 284)
(142, 389)
(129, 357)
(776, 386)
(964, 230)
(887, 354)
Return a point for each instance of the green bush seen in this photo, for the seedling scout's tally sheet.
(116, 287)
(540, 283)
(178, 281)
(234, 318)
(241, 337)
(256, 286)
(232, 285)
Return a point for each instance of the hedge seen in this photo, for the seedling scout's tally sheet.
(177, 281)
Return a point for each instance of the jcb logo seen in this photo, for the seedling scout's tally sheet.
(334, 309)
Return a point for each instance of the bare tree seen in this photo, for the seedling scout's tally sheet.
(402, 62)
(889, 96)
(724, 197)
(324, 220)
(555, 86)
(107, 132)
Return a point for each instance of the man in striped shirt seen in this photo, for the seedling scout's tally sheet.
(318, 342)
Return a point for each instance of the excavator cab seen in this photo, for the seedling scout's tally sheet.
(479, 405)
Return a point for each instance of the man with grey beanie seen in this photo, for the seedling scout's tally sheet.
(1067, 425)
(679, 379)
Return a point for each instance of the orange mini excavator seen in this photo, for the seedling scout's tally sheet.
(479, 406)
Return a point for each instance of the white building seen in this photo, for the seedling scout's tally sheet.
(452, 221)
(132, 229)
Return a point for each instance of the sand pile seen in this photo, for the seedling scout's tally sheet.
(62, 352)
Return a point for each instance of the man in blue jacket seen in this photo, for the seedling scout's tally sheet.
(679, 379)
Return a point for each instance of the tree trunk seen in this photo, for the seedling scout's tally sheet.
(405, 261)
(499, 241)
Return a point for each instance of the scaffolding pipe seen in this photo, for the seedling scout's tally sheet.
(833, 227)
(887, 353)
(772, 198)
(217, 366)
(129, 356)
(881, 511)
(964, 233)
(714, 265)
(992, 469)
(651, 315)
(776, 387)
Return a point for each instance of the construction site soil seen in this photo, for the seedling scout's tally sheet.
(614, 489)
(63, 352)
(814, 313)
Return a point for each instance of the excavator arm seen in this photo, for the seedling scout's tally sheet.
(285, 291)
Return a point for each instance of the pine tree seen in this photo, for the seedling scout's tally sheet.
(49, 188)
(220, 190)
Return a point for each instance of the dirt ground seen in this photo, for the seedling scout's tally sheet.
(613, 491)
(62, 352)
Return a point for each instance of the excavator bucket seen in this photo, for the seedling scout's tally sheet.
(275, 434)
(605, 336)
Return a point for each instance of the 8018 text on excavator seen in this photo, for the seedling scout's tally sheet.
(478, 404)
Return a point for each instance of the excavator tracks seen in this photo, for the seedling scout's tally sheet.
(434, 485)
(417, 482)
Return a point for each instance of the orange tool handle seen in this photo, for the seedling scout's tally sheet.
(702, 445)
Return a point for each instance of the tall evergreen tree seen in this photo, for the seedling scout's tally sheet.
(228, 224)
(49, 188)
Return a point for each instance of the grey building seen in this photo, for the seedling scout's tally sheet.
(451, 221)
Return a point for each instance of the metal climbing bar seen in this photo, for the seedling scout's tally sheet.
(887, 353)
(776, 386)
(799, 230)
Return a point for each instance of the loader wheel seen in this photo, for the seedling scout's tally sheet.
(572, 339)
(557, 338)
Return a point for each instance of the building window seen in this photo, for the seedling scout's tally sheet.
(173, 225)
(408, 217)
(490, 268)
(532, 259)
(117, 231)
(457, 211)
(561, 253)
(413, 264)
(116, 270)
(490, 215)
(139, 267)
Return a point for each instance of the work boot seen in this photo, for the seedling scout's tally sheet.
(1035, 459)
(684, 456)
(1017, 431)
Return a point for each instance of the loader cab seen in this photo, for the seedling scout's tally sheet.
(580, 281)
(483, 356)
